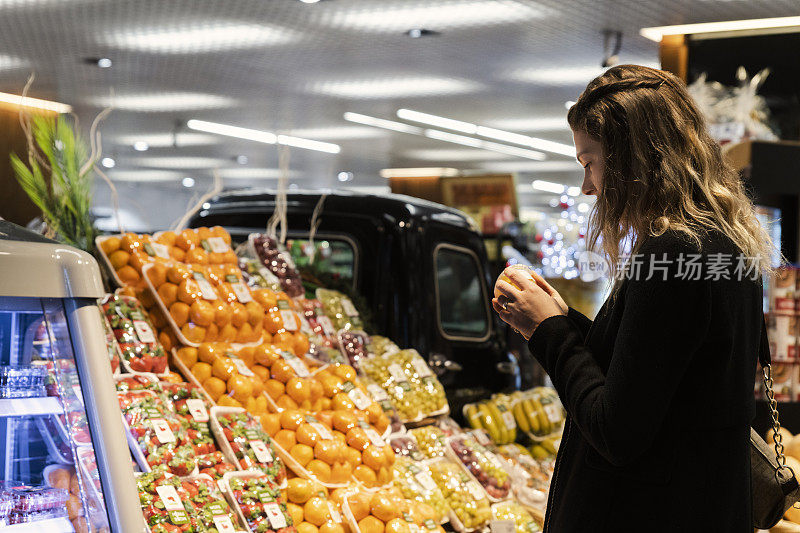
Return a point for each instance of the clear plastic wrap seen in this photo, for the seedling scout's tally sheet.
(260, 502)
(465, 497)
(139, 348)
(482, 465)
(513, 511)
(431, 440)
(247, 443)
(340, 310)
(415, 482)
(277, 262)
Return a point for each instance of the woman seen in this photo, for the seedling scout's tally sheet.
(659, 388)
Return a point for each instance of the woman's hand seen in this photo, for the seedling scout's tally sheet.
(525, 308)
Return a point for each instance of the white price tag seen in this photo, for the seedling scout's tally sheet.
(160, 250)
(274, 515)
(475, 490)
(241, 292)
(495, 460)
(268, 276)
(413, 528)
(502, 526)
(169, 497)
(421, 367)
(359, 399)
(452, 483)
(223, 524)
(322, 430)
(304, 325)
(217, 245)
(425, 480)
(374, 437)
(205, 287)
(397, 373)
(297, 365)
(327, 326)
(197, 408)
(261, 450)
(163, 433)
(481, 437)
(242, 367)
(143, 331)
(348, 308)
(289, 320)
(335, 516)
(553, 412)
(377, 393)
(508, 420)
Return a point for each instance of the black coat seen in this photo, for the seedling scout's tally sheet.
(659, 396)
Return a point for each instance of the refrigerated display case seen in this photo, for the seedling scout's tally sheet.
(64, 461)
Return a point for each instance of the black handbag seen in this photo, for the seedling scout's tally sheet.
(774, 486)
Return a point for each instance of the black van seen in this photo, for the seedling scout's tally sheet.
(419, 267)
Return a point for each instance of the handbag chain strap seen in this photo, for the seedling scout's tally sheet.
(773, 410)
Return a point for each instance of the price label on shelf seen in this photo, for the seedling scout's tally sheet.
(274, 515)
(475, 490)
(289, 320)
(241, 366)
(553, 412)
(163, 432)
(421, 367)
(348, 308)
(215, 244)
(508, 417)
(144, 331)
(373, 436)
(261, 450)
(241, 292)
(327, 326)
(354, 393)
(206, 289)
(397, 373)
(502, 526)
(304, 325)
(268, 276)
(335, 516)
(197, 408)
(172, 503)
(481, 437)
(495, 460)
(154, 249)
(297, 365)
(223, 524)
(425, 480)
(322, 430)
(377, 393)
(430, 525)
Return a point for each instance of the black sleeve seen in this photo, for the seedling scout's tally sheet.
(663, 324)
(580, 320)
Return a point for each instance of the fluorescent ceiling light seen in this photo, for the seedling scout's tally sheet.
(144, 175)
(370, 189)
(187, 182)
(252, 173)
(491, 133)
(445, 15)
(419, 172)
(437, 121)
(8, 62)
(548, 186)
(453, 154)
(35, 103)
(454, 138)
(382, 123)
(155, 102)
(262, 136)
(178, 162)
(394, 87)
(166, 139)
(531, 124)
(656, 33)
(486, 145)
(199, 37)
(559, 75)
(338, 133)
(532, 166)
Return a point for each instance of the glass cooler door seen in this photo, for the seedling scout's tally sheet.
(50, 480)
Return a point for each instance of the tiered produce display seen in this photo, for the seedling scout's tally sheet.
(258, 407)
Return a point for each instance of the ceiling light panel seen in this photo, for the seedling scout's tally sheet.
(199, 37)
(437, 121)
(341, 133)
(35, 103)
(446, 154)
(531, 123)
(382, 123)
(394, 87)
(252, 173)
(164, 101)
(438, 16)
(166, 140)
(144, 175)
(8, 62)
(656, 33)
(179, 162)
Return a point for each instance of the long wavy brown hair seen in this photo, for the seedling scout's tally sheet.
(663, 171)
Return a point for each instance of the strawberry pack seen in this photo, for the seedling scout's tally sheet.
(262, 504)
(249, 443)
(140, 351)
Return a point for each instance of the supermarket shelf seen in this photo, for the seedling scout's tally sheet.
(30, 406)
(53, 525)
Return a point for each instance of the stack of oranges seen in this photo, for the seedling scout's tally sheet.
(386, 511)
(127, 254)
(342, 391)
(332, 446)
(199, 246)
(312, 509)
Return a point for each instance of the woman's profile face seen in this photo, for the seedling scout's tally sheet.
(589, 153)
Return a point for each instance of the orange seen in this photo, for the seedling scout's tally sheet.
(292, 419)
(212, 332)
(179, 312)
(241, 387)
(130, 242)
(145, 297)
(167, 340)
(177, 254)
(215, 387)
(219, 231)
(215, 258)
(245, 333)
(384, 476)
(342, 401)
(265, 297)
(284, 339)
(186, 240)
(207, 352)
(344, 421)
(301, 344)
(324, 404)
(306, 434)
(157, 318)
(187, 355)
(382, 507)
(255, 313)
(346, 372)
(315, 389)
(157, 274)
(282, 371)
(271, 422)
(341, 472)
(331, 527)
(246, 355)
(285, 402)
(365, 475)
(321, 471)
(296, 512)
(374, 412)
(265, 355)
(359, 505)
(178, 273)
(189, 291)
(315, 511)
(261, 404)
(119, 259)
(266, 337)
(389, 455)
(299, 490)
(167, 238)
(273, 322)
(397, 525)
(138, 260)
(223, 368)
(128, 275)
(230, 258)
(168, 292)
(227, 333)
(373, 457)
(273, 388)
(327, 451)
(193, 333)
(203, 233)
(250, 404)
(370, 524)
(202, 371)
(262, 372)
(222, 313)
(110, 245)
(201, 313)
(127, 291)
(258, 385)
(239, 315)
(196, 256)
(302, 453)
(285, 439)
(298, 389)
(227, 401)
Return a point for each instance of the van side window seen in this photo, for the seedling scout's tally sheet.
(461, 299)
